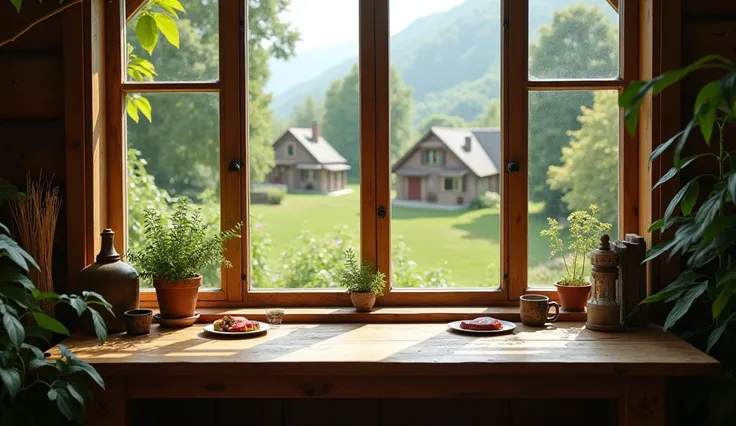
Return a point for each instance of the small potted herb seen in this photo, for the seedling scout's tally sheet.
(175, 253)
(585, 230)
(361, 282)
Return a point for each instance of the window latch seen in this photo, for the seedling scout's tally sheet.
(381, 212)
(513, 167)
(234, 166)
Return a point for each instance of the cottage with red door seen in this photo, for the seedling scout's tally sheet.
(306, 162)
(450, 166)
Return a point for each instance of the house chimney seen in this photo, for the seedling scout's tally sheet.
(468, 140)
(315, 131)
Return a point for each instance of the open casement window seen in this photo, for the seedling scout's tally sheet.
(386, 156)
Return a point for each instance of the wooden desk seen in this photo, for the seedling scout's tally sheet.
(394, 361)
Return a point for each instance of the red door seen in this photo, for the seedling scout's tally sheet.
(415, 188)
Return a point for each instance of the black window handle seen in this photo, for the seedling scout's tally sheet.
(234, 166)
(381, 212)
(513, 167)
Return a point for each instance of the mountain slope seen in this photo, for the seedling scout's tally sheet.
(448, 58)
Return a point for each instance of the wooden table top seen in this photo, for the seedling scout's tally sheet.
(396, 349)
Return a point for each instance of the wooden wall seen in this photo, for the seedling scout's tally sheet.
(32, 108)
(325, 412)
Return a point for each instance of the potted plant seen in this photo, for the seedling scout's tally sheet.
(585, 230)
(361, 282)
(174, 254)
(34, 390)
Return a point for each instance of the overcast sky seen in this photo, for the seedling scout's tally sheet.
(330, 22)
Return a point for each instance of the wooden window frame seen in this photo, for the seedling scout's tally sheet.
(375, 173)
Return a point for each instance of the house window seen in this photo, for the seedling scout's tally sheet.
(434, 157)
(553, 112)
(453, 184)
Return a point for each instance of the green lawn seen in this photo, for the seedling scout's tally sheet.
(465, 242)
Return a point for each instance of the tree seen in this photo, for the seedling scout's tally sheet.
(181, 145)
(440, 120)
(308, 113)
(580, 43)
(589, 171)
(342, 116)
(491, 115)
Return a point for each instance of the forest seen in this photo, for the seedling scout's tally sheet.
(173, 139)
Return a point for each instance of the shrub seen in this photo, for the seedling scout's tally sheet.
(268, 194)
(260, 245)
(181, 250)
(487, 200)
(313, 263)
(361, 278)
(406, 274)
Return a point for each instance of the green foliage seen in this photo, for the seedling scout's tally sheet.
(155, 16)
(486, 200)
(180, 249)
(361, 278)
(468, 100)
(35, 391)
(580, 43)
(9, 192)
(271, 194)
(595, 143)
(585, 230)
(440, 120)
(310, 112)
(260, 245)
(342, 117)
(313, 263)
(142, 194)
(704, 237)
(406, 274)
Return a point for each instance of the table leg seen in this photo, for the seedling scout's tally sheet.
(642, 402)
(110, 407)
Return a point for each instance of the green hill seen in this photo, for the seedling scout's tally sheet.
(451, 59)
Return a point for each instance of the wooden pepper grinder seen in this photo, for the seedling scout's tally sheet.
(604, 309)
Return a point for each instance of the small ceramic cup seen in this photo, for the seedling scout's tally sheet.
(535, 308)
(138, 321)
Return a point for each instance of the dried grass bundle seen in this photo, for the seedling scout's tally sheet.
(35, 217)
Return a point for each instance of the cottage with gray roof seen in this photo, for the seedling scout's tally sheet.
(306, 162)
(450, 166)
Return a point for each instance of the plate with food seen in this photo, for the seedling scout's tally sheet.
(483, 325)
(236, 326)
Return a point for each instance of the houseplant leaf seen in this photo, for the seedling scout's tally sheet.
(11, 380)
(690, 198)
(99, 325)
(51, 324)
(15, 330)
(683, 305)
(715, 336)
(707, 102)
(10, 275)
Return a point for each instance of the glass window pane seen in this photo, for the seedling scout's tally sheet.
(176, 154)
(304, 143)
(573, 164)
(152, 35)
(445, 143)
(573, 39)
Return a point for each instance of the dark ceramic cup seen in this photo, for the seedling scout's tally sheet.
(534, 309)
(138, 321)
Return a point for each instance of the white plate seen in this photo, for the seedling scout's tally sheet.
(210, 328)
(507, 327)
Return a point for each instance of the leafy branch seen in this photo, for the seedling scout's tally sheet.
(19, 3)
(706, 236)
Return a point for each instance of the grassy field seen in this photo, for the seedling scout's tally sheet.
(465, 242)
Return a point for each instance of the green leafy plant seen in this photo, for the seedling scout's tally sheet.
(361, 278)
(585, 230)
(35, 390)
(704, 236)
(180, 249)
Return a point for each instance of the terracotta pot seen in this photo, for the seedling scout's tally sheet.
(177, 299)
(114, 280)
(363, 302)
(573, 298)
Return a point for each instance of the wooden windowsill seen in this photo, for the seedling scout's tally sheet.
(380, 314)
